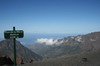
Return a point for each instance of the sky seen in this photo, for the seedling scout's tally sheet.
(50, 16)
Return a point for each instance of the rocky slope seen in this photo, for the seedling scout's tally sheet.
(69, 45)
(6, 49)
(93, 59)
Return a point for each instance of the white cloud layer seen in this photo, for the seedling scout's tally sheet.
(47, 41)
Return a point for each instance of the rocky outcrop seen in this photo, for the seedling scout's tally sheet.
(4, 60)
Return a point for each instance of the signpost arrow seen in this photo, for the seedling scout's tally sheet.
(14, 34)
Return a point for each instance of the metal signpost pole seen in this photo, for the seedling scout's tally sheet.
(13, 34)
(14, 39)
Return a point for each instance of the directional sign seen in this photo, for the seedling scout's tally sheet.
(13, 34)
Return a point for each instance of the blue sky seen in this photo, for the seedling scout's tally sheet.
(50, 16)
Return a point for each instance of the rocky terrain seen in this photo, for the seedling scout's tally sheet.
(69, 45)
(6, 49)
(81, 50)
(84, 59)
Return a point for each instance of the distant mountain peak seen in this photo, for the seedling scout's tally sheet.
(70, 45)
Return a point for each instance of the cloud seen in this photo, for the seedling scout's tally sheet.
(46, 41)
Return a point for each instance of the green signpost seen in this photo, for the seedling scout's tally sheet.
(13, 34)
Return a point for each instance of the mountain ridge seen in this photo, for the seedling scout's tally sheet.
(6, 49)
(69, 45)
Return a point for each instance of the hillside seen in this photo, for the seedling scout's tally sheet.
(93, 59)
(6, 49)
(69, 45)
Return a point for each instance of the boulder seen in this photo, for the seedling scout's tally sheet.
(4, 60)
